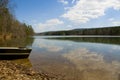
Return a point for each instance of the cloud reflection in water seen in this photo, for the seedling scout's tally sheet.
(93, 66)
(51, 48)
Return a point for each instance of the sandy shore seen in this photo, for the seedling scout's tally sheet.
(14, 71)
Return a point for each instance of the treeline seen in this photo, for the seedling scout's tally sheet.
(9, 25)
(91, 31)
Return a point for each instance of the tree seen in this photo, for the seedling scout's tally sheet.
(9, 25)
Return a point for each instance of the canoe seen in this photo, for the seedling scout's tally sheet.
(14, 52)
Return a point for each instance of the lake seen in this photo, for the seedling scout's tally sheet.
(76, 57)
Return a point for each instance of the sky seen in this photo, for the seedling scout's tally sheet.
(55, 15)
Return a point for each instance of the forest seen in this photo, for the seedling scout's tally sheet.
(10, 27)
(114, 30)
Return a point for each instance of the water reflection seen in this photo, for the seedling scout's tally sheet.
(21, 42)
(73, 58)
(52, 47)
(92, 65)
(107, 40)
(77, 60)
(25, 62)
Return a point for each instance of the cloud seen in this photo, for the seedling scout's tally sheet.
(49, 24)
(50, 47)
(64, 2)
(116, 23)
(84, 10)
(73, 1)
(92, 65)
(115, 47)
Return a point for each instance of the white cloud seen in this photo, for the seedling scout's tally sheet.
(73, 1)
(84, 10)
(63, 1)
(116, 23)
(49, 24)
(115, 47)
(50, 47)
(92, 63)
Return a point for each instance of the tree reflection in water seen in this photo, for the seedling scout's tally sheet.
(16, 42)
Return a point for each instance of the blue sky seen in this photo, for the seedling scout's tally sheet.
(52, 15)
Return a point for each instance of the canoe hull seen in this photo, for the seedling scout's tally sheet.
(14, 53)
(11, 57)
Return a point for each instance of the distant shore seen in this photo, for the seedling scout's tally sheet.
(14, 71)
(107, 31)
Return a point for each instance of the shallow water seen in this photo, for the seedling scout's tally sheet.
(77, 58)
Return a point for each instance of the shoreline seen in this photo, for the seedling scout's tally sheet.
(14, 71)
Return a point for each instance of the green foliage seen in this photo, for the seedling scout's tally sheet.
(93, 31)
(9, 26)
(29, 30)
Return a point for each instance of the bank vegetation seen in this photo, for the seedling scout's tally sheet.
(10, 27)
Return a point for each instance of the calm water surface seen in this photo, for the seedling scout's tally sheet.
(77, 58)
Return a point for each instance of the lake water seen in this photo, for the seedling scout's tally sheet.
(77, 57)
